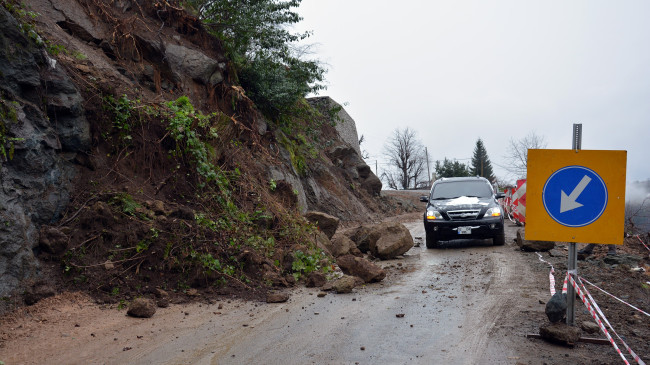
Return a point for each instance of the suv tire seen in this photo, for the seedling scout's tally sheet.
(499, 239)
(432, 242)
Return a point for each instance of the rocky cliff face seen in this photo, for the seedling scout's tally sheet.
(45, 138)
(51, 126)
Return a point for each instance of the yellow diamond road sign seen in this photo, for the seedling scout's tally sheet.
(576, 196)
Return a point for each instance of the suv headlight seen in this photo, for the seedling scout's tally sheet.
(433, 214)
(493, 212)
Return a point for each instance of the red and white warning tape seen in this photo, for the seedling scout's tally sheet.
(591, 304)
(551, 276)
(620, 300)
(595, 316)
(593, 307)
(643, 243)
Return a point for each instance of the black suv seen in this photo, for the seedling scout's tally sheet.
(461, 208)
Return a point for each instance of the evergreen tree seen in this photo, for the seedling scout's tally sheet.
(481, 165)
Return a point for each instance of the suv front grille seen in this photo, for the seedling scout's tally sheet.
(463, 215)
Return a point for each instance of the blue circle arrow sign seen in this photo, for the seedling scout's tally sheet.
(575, 196)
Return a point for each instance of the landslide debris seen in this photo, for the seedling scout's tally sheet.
(151, 168)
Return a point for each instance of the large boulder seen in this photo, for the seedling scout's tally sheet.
(536, 246)
(343, 245)
(321, 241)
(344, 284)
(195, 64)
(315, 279)
(533, 246)
(394, 240)
(623, 259)
(361, 267)
(362, 236)
(372, 185)
(385, 240)
(325, 222)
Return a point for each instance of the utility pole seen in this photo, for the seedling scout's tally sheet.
(426, 152)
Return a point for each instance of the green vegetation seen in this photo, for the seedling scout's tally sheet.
(8, 115)
(304, 264)
(25, 18)
(185, 126)
(263, 51)
(126, 203)
(122, 110)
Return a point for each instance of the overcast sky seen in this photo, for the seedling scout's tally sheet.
(455, 71)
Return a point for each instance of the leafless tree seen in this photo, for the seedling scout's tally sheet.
(406, 159)
(517, 154)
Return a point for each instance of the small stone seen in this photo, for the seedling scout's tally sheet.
(142, 308)
(277, 297)
(108, 265)
(589, 327)
(400, 315)
(321, 294)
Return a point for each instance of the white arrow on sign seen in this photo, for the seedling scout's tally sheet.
(569, 202)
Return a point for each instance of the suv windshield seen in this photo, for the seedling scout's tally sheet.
(451, 190)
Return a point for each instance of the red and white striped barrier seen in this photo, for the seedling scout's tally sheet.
(519, 202)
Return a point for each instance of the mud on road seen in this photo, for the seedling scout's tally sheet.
(468, 302)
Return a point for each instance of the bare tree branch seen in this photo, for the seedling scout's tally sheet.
(517, 154)
(405, 154)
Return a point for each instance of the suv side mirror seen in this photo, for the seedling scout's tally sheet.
(424, 198)
(500, 195)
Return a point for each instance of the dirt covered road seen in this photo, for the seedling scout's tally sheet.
(466, 303)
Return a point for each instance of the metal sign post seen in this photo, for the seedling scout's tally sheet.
(572, 266)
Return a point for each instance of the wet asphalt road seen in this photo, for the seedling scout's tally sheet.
(450, 299)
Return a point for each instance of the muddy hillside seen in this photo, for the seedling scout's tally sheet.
(132, 160)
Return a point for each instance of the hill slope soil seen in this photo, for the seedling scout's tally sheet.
(137, 163)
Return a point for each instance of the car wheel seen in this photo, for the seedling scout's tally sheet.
(432, 242)
(500, 239)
